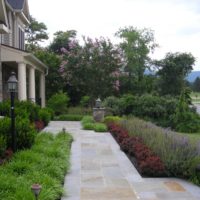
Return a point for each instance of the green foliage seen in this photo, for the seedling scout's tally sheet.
(35, 33)
(69, 117)
(173, 70)
(59, 103)
(3, 144)
(88, 126)
(100, 127)
(185, 120)
(148, 106)
(45, 163)
(196, 85)
(91, 69)
(25, 133)
(4, 134)
(5, 126)
(79, 111)
(5, 108)
(44, 115)
(176, 150)
(112, 105)
(112, 119)
(88, 123)
(62, 40)
(136, 45)
(85, 101)
(87, 119)
(27, 109)
(127, 104)
(53, 79)
(24, 130)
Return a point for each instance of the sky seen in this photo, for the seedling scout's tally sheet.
(176, 23)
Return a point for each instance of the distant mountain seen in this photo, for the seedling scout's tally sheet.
(193, 75)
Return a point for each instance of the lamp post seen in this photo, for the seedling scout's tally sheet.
(12, 88)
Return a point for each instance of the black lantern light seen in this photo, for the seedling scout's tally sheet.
(12, 83)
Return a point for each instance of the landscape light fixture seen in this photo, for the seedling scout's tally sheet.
(36, 188)
(12, 88)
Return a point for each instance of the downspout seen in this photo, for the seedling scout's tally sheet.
(47, 71)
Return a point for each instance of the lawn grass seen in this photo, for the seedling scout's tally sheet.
(195, 137)
(46, 163)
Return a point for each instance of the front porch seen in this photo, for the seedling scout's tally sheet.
(30, 74)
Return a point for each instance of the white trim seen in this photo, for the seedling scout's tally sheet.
(25, 18)
(3, 29)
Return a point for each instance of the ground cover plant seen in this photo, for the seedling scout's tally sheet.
(45, 163)
(179, 155)
(88, 123)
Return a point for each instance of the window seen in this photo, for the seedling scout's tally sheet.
(21, 39)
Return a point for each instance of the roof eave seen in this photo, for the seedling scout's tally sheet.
(3, 29)
(29, 55)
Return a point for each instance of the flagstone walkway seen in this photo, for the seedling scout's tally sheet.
(101, 171)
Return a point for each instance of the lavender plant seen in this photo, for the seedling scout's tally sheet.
(175, 150)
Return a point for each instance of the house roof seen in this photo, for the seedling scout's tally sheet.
(16, 4)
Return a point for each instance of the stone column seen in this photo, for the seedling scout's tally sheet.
(32, 84)
(42, 89)
(22, 81)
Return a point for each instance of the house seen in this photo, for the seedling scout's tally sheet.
(14, 17)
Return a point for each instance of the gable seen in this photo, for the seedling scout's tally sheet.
(20, 6)
(16, 4)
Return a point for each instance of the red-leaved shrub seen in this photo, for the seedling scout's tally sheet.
(39, 125)
(152, 166)
(118, 132)
(148, 163)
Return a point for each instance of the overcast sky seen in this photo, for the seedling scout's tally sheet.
(176, 23)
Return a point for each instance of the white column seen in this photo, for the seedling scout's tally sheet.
(22, 81)
(42, 89)
(32, 84)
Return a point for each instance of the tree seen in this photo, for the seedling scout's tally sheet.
(62, 40)
(91, 69)
(54, 82)
(196, 85)
(172, 72)
(136, 46)
(35, 33)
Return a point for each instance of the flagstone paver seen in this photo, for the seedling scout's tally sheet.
(101, 171)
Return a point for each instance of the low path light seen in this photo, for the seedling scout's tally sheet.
(36, 188)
